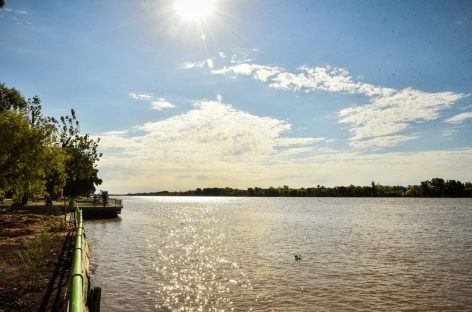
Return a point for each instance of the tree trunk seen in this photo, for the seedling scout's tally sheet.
(24, 200)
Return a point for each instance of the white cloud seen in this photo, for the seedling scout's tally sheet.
(241, 57)
(380, 142)
(448, 132)
(388, 115)
(330, 140)
(161, 104)
(211, 132)
(259, 72)
(141, 96)
(460, 117)
(115, 133)
(192, 65)
(298, 141)
(376, 124)
(326, 79)
(198, 65)
(379, 123)
(19, 12)
(156, 103)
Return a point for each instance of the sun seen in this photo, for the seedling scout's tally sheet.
(194, 10)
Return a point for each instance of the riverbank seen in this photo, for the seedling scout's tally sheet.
(35, 262)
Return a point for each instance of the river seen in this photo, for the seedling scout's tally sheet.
(238, 254)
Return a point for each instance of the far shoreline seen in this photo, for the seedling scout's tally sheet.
(434, 188)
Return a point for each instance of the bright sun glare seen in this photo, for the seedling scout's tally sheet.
(194, 10)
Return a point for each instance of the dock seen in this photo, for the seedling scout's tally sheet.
(92, 208)
(98, 210)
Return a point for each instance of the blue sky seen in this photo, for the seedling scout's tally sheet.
(257, 93)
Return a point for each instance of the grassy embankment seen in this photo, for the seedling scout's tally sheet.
(35, 258)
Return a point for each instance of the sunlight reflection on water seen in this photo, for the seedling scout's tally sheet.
(217, 253)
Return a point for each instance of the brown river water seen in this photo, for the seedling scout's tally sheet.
(237, 254)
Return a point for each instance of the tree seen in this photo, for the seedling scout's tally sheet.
(34, 112)
(437, 185)
(56, 157)
(453, 188)
(23, 157)
(10, 98)
(57, 175)
(374, 189)
(82, 158)
(26, 137)
(37, 158)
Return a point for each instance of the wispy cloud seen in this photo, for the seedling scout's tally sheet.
(156, 103)
(192, 65)
(141, 96)
(17, 16)
(242, 55)
(18, 12)
(380, 142)
(208, 63)
(448, 132)
(211, 131)
(460, 118)
(259, 72)
(298, 141)
(464, 21)
(331, 79)
(307, 79)
(379, 123)
(161, 104)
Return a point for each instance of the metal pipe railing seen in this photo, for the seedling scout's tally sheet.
(77, 299)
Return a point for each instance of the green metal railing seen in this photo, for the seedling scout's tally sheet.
(77, 296)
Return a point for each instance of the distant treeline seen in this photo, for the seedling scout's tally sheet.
(436, 187)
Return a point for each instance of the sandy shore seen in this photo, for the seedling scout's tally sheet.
(19, 290)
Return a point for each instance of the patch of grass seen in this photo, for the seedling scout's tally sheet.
(55, 223)
(34, 255)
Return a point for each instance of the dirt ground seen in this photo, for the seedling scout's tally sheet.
(18, 290)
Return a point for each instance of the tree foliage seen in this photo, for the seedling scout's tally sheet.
(11, 99)
(25, 157)
(82, 174)
(39, 157)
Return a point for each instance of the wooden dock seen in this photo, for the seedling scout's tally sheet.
(92, 209)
